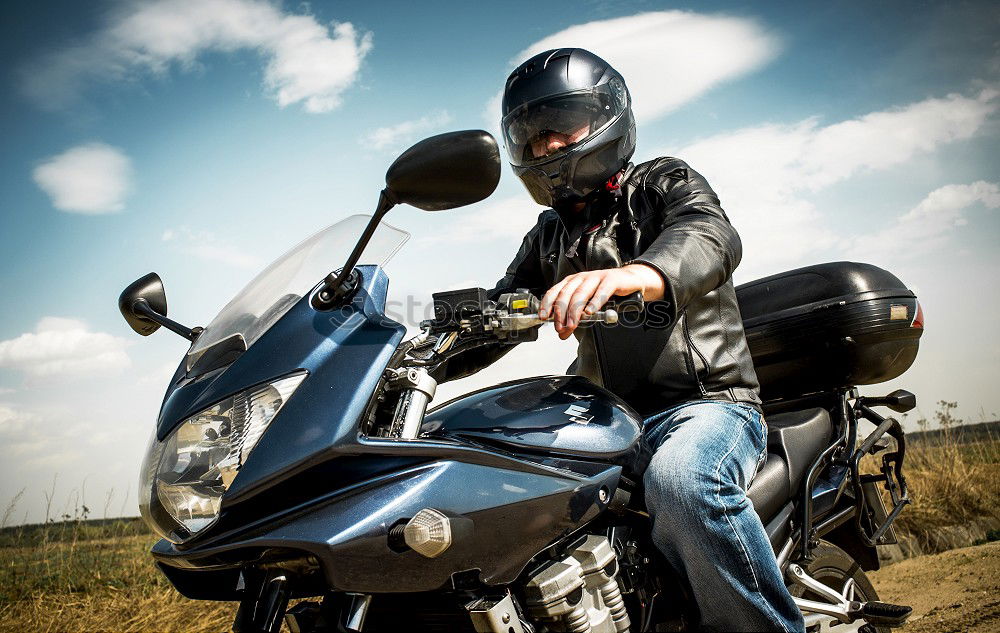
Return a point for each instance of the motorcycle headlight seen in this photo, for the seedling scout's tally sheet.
(184, 477)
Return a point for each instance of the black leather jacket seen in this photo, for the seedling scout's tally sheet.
(689, 346)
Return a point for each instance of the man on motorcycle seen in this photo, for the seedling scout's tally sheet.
(615, 228)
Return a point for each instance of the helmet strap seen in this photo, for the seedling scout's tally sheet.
(615, 182)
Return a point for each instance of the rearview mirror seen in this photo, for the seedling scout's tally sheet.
(445, 171)
(143, 303)
(441, 172)
(148, 289)
(901, 401)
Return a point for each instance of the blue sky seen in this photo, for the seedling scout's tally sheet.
(202, 139)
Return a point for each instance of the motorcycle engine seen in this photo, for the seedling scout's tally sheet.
(579, 593)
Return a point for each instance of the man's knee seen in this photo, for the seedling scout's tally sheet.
(680, 487)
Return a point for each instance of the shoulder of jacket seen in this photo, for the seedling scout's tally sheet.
(547, 217)
(660, 169)
(546, 221)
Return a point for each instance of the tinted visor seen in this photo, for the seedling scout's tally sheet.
(538, 130)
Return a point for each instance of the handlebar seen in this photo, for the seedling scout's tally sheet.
(516, 322)
(468, 318)
(471, 312)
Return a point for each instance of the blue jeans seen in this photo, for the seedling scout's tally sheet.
(704, 456)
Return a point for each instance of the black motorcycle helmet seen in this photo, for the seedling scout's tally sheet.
(577, 97)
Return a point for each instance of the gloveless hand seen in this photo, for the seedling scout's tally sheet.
(584, 293)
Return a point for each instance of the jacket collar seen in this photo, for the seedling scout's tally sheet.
(599, 205)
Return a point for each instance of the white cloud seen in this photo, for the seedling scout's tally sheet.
(885, 139)
(306, 62)
(207, 246)
(159, 376)
(11, 421)
(394, 136)
(668, 58)
(45, 437)
(91, 179)
(765, 174)
(507, 219)
(928, 225)
(491, 114)
(61, 346)
(22, 439)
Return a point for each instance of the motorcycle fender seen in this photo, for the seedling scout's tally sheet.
(846, 538)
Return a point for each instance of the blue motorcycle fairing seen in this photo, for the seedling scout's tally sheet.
(517, 505)
(372, 460)
(344, 351)
(555, 415)
(507, 515)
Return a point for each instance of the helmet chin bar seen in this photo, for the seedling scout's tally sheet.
(565, 198)
(573, 176)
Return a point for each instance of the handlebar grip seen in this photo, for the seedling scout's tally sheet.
(628, 303)
(608, 316)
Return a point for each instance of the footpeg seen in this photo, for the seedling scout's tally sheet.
(885, 614)
(840, 606)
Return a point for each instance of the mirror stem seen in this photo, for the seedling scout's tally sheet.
(336, 287)
(142, 307)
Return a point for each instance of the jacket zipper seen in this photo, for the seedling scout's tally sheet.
(589, 249)
(598, 349)
(595, 328)
(690, 358)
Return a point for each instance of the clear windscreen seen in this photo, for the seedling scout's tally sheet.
(282, 284)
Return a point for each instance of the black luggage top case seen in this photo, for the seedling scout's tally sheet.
(828, 326)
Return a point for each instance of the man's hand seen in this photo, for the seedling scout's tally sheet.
(585, 293)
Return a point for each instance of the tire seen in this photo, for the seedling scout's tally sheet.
(833, 567)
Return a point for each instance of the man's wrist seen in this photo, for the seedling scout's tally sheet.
(654, 286)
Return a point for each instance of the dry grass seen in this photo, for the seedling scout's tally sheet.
(161, 610)
(78, 575)
(74, 576)
(951, 485)
(952, 480)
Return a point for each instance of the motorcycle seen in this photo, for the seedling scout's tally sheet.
(295, 460)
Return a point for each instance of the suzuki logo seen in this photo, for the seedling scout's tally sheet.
(577, 413)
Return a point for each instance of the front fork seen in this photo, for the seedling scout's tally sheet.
(339, 613)
(262, 611)
(416, 387)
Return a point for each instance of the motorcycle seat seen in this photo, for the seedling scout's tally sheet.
(769, 489)
(794, 441)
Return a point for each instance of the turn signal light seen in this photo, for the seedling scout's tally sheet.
(428, 533)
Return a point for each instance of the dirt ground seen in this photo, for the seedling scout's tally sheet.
(957, 591)
(953, 592)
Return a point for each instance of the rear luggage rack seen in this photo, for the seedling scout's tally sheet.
(869, 507)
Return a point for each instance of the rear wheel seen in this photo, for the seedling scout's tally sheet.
(833, 567)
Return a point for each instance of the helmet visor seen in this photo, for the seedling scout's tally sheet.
(538, 130)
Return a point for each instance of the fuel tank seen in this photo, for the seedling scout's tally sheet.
(555, 415)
